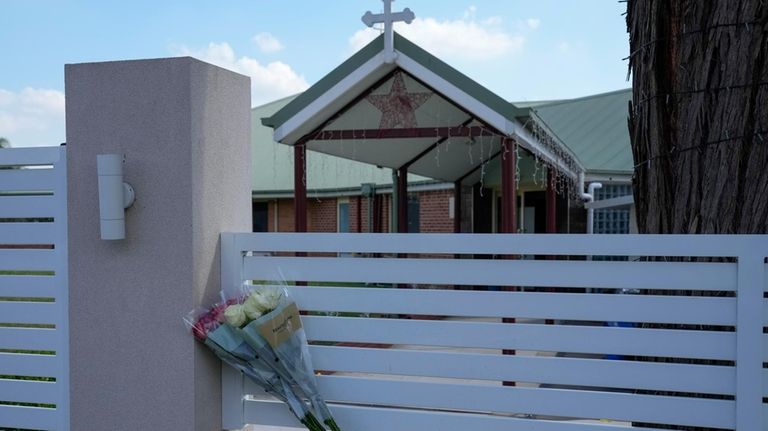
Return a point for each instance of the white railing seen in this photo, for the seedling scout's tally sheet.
(388, 363)
(34, 355)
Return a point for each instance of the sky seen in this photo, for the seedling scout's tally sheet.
(521, 50)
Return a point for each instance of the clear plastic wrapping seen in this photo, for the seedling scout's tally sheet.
(259, 332)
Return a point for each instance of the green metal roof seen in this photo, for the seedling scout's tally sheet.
(413, 51)
(594, 128)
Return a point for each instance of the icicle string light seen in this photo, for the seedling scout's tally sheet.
(558, 151)
(517, 164)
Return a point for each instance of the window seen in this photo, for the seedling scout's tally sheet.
(342, 215)
(614, 221)
(413, 214)
(260, 216)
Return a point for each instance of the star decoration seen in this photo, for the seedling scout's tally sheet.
(398, 108)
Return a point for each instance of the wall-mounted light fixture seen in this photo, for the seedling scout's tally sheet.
(114, 195)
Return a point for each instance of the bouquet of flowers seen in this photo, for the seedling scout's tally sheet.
(260, 334)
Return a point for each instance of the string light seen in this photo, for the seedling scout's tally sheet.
(547, 140)
(517, 164)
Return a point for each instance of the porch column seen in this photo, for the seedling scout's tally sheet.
(508, 186)
(300, 187)
(508, 208)
(457, 207)
(402, 200)
(551, 202)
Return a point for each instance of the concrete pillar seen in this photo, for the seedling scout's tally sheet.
(184, 127)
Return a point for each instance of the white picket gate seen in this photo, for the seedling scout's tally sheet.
(385, 368)
(34, 355)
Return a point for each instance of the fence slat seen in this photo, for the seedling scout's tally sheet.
(28, 339)
(29, 391)
(595, 307)
(765, 310)
(749, 335)
(388, 419)
(595, 274)
(552, 338)
(765, 347)
(557, 371)
(554, 402)
(27, 260)
(29, 312)
(27, 206)
(26, 180)
(30, 156)
(28, 286)
(19, 364)
(765, 382)
(561, 244)
(27, 233)
(38, 418)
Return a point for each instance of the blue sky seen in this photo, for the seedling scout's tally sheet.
(522, 50)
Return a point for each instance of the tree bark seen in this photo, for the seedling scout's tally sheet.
(699, 115)
(699, 121)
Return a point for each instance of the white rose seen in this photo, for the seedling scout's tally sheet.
(271, 298)
(235, 315)
(252, 309)
(255, 301)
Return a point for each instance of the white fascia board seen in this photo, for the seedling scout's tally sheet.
(326, 99)
(477, 108)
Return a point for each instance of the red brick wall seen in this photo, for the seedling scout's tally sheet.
(321, 216)
(386, 205)
(434, 216)
(354, 202)
(284, 215)
(385, 212)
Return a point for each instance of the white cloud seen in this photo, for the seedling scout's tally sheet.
(462, 40)
(267, 43)
(32, 117)
(564, 47)
(268, 81)
(533, 23)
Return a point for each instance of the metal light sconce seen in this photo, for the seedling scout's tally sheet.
(114, 195)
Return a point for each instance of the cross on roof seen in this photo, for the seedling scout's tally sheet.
(388, 18)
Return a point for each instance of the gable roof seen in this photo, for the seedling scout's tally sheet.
(301, 119)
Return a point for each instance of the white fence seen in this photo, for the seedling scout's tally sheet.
(34, 358)
(431, 357)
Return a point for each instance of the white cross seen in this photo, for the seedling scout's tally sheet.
(388, 18)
